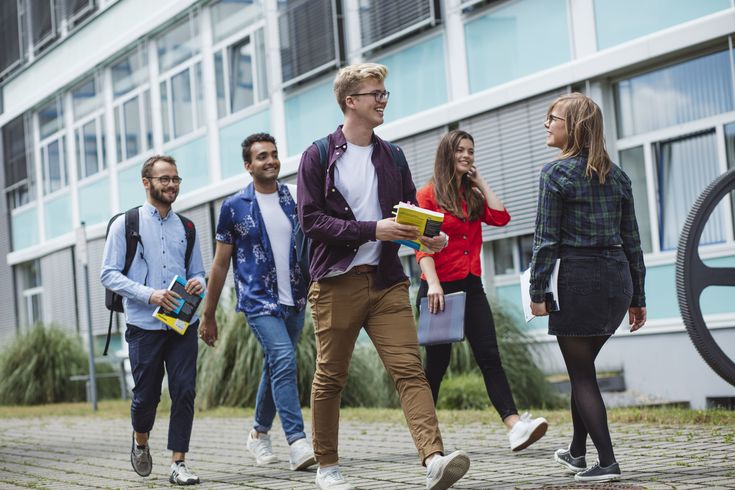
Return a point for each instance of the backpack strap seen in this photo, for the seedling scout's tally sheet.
(132, 238)
(191, 232)
(321, 145)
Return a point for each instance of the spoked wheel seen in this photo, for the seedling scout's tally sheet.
(693, 276)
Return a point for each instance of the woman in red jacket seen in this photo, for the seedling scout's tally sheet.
(457, 190)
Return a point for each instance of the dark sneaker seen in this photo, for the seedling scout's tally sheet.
(565, 458)
(599, 473)
(140, 458)
(181, 475)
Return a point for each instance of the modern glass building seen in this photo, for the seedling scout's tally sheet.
(90, 88)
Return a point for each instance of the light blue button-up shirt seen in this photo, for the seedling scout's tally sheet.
(159, 258)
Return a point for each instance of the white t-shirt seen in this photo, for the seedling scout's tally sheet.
(278, 228)
(354, 176)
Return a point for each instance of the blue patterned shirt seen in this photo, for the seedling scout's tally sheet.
(577, 211)
(253, 265)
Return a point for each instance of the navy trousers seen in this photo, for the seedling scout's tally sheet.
(150, 352)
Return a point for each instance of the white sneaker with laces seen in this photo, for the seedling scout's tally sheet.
(261, 448)
(331, 479)
(301, 455)
(527, 431)
(444, 471)
(181, 475)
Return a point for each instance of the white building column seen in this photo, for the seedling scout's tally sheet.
(456, 53)
(210, 95)
(275, 77)
(582, 28)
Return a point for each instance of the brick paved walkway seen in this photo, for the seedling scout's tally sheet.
(92, 452)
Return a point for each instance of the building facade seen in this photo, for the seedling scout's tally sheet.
(90, 88)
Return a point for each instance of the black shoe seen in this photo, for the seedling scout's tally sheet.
(599, 473)
(140, 458)
(565, 458)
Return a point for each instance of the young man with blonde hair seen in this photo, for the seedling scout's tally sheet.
(348, 184)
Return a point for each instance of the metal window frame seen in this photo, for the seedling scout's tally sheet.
(44, 42)
(72, 19)
(432, 21)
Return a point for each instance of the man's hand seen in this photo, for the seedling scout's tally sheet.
(436, 243)
(636, 317)
(165, 298)
(539, 309)
(208, 329)
(387, 230)
(193, 286)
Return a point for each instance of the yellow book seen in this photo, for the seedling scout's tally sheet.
(428, 222)
(181, 317)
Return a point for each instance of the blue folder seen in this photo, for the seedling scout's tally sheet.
(446, 326)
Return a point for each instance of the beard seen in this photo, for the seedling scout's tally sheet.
(158, 195)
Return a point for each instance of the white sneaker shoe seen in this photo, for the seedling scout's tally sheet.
(444, 471)
(261, 449)
(181, 475)
(301, 455)
(331, 479)
(527, 431)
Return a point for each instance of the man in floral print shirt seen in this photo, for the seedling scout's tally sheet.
(257, 230)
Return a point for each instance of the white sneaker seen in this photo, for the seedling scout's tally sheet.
(181, 475)
(331, 479)
(444, 471)
(261, 448)
(527, 431)
(301, 455)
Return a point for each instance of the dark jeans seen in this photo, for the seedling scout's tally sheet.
(150, 351)
(479, 330)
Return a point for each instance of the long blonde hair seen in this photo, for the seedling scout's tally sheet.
(449, 196)
(583, 120)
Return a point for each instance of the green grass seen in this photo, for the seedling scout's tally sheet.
(650, 416)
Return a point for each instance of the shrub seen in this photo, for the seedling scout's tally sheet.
(464, 392)
(36, 366)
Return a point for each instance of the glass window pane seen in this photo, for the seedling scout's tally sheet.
(178, 44)
(525, 250)
(131, 111)
(54, 166)
(261, 71)
(119, 130)
(241, 76)
(91, 158)
(503, 256)
(231, 16)
(730, 148)
(219, 72)
(130, 72)
(85, 98)
(9, 35)
(50, 118)
(42, 21)
(201, 118)
(14, 151)
(615, 25)
(79, 9)
(148, 122)
(633, 163)
(674, 95)
(165, 112)
(307, 37)
(181, 103)
(504, 44)
(686, 167)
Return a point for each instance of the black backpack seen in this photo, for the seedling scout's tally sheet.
(113, 301)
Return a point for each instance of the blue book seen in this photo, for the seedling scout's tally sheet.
(446, 326)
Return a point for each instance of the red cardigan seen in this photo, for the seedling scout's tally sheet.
(461, 257)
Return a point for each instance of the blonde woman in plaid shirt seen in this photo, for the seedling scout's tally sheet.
(586, 217)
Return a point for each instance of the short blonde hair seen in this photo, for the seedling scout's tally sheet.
(350, 77)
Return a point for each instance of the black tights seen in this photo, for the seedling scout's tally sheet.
(588, 409)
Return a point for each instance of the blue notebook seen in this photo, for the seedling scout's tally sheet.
(446, 326)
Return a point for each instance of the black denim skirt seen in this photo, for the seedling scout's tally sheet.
(595, 290)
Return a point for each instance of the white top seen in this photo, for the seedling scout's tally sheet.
(278, 228)
(354, 176)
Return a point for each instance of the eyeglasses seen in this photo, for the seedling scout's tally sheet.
(379, 96)
(551, 118)
(166, 180)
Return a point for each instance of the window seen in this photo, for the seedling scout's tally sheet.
(18, 163)
(42, 15)
(382, 21)
(75, 11)
(89, 131)
(686, 166)
(31, 291)
(632, 161)
(52, 144)
(310, 37)
(730, 150)
(512, 255)
(677, 94)
(182, 95)
(132, 105)
(232, 16)
(10, 54)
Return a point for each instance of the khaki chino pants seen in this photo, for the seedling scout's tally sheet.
(340, 307)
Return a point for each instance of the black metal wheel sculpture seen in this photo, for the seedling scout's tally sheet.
(693, 276)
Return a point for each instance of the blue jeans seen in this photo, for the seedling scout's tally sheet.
(278, 388)
(150, 352)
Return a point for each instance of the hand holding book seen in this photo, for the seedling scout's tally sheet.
(428, 223)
